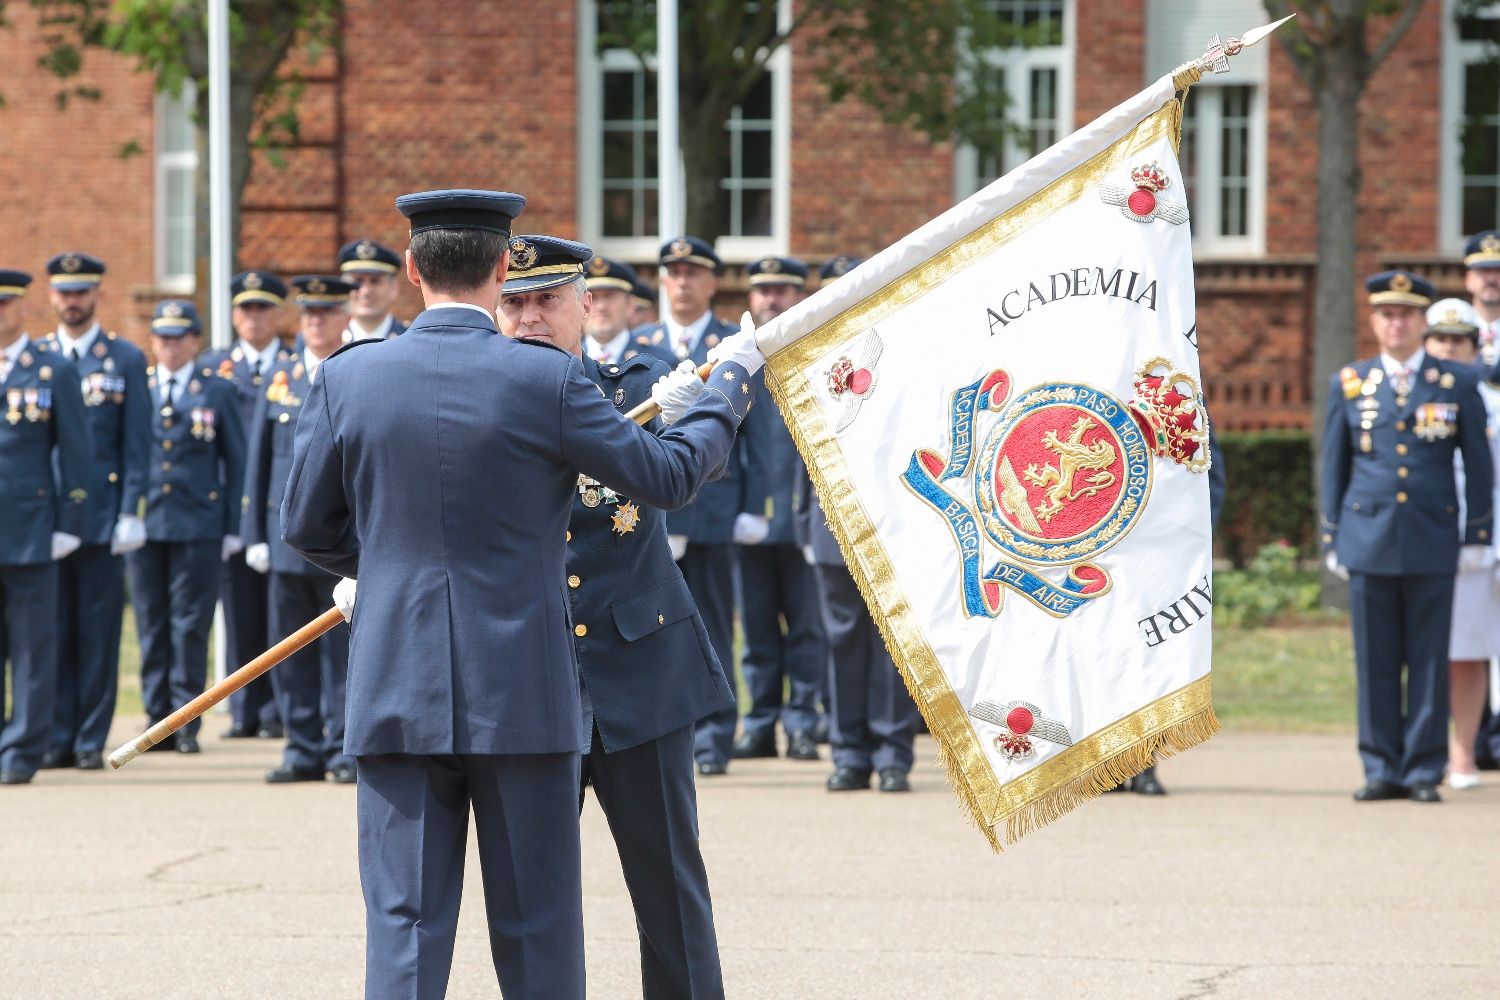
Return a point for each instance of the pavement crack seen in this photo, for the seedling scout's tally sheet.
(1208, 986)
(157, 874)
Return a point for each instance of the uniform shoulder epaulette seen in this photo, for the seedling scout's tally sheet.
(110, 335)
(541, 343)
(345, 349)
(150, 369)
(43, 345)
(636, 362)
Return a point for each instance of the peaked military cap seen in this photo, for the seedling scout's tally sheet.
(691, 250)
(368, 257)
(73, 271)
(606, 272)
(321, 291)
(538, 262)
(1453, 317)
(643, 291)
(174, 318)
(1483, 250)
(836, 267)
(13, 283)
(257, 286)
(461, 208)
(777, 271)
(1400, 288)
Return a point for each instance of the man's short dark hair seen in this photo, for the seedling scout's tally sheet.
(457, 260)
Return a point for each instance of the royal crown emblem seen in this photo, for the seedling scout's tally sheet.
(770, 265)
(851, 382)
(1400, 282)
(365, 250)
(598, 266)
(1489, 242)
(171, 310)
(1451, 318)
(680, 248)
(252, 281)
(1020, 722)
(522, 255)
(316, 287)
(1145, 204)
(1061, 474)
(70, 263)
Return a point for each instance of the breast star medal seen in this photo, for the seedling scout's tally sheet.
(625, 518)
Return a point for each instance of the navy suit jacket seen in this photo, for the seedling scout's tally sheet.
(647, 661)
(1390, 502)
(197, 462)
(772, 466)
(248, 387)
(440, 469)
(41, 419)
(112, 373)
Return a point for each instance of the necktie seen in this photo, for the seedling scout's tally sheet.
(684, 344)
(1402, 378)
(73, 354)
(166, 396)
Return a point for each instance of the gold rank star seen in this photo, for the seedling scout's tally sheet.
(626, 518)
(745, 390)
(729, 376)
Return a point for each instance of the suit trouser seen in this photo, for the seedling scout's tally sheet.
(413, 831)
(311, 683)
(874, 719)
(776, 583)
(1402, 620)
(175, 586)
(90, 603)
(648, 797)
(247, 633)
(28, 638)
(709, 573)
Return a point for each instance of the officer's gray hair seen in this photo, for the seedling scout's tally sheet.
(580, 286)
(453, 261)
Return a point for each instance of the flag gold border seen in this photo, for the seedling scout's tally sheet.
(1097, 762)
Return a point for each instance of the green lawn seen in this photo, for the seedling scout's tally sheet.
(1291, 679)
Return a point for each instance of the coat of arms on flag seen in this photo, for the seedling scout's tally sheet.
(1023, 501)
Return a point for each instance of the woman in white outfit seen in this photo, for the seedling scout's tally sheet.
(1453, 335)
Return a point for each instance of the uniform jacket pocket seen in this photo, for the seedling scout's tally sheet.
(654, 608)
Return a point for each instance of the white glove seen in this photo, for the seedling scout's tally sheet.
(63, 545)
(258, 557)
(678, 544)
(1473, 557)
(750, 529)
(130, 534)
(1332, 562)
(807, 555)
(231, 545)
(675, 392)
(343, 598)
(740, 348)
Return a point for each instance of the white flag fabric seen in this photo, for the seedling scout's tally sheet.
(1003, 418)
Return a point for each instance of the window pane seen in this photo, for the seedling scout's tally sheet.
(1480, 207)
(178, 219)
(1234, 161)
(756, 155)
(619, 95)
(1479, 149)
(757, 103)
(1481, 89)
(619, 155)
(755, 213)
(1479, 29)
(1187, 151)
(619, 214)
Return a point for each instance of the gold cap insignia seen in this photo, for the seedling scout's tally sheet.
(522, 255)
(316, 286)
(1400, 283)
(252, 281)
(1490, 242)
(365, 250)
(70, 263)
(171, 310)
(770, 265)
(680, 248)
(1451, 318)
(598, 266)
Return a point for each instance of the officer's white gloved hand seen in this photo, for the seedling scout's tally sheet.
(678, 544)
(807, 555)
(740, 348)
(258, 557)
(343, 598)
(1332, 562)
(230, 546)
(1474, 557)
(64, 545)
(130, 534)
(750, 529)
(675, 392)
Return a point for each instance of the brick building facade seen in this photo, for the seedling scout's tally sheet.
(481, 102)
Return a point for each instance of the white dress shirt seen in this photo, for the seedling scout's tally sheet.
(354, 331)
(610, 353)
(10, 354)
(82, 344)
(179, 378)
(684, 339)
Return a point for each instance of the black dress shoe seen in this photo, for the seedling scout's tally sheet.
(1484, 762)
(1380, 791)
(1145, 783)
(14, 778)
(239, 731)
(1424, 792)
(754, 745)
(802, 746)
(711, 767)
(90, 760)
(894, 779)
(345, 774)
(286, 774)
(847, 779)
(187, 744)
(271, 731)
(56, 758)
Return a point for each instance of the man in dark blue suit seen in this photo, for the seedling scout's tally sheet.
(256, 299)
(371, 268)
(46, 451)
(648, 670)
(786, 656)
(1390, 524)
(91, 581)
(310, 685)
(611, 285)
(702, 533)
(439, 468)
(192, 517)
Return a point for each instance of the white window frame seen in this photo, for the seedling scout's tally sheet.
(732, 249)
(1457, 55)
(186, 160)
(1018, 62)
(1205, 212)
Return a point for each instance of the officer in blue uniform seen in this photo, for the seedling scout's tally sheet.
(643, 301)
(702, 533)
(256, 299)
(46, 453)
(609, 340)
(371, 269)
(1390, 522)
(91, 581)
(784, 671)
(440, 468)
(310, 684)
(648, 670)
(192, 516)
